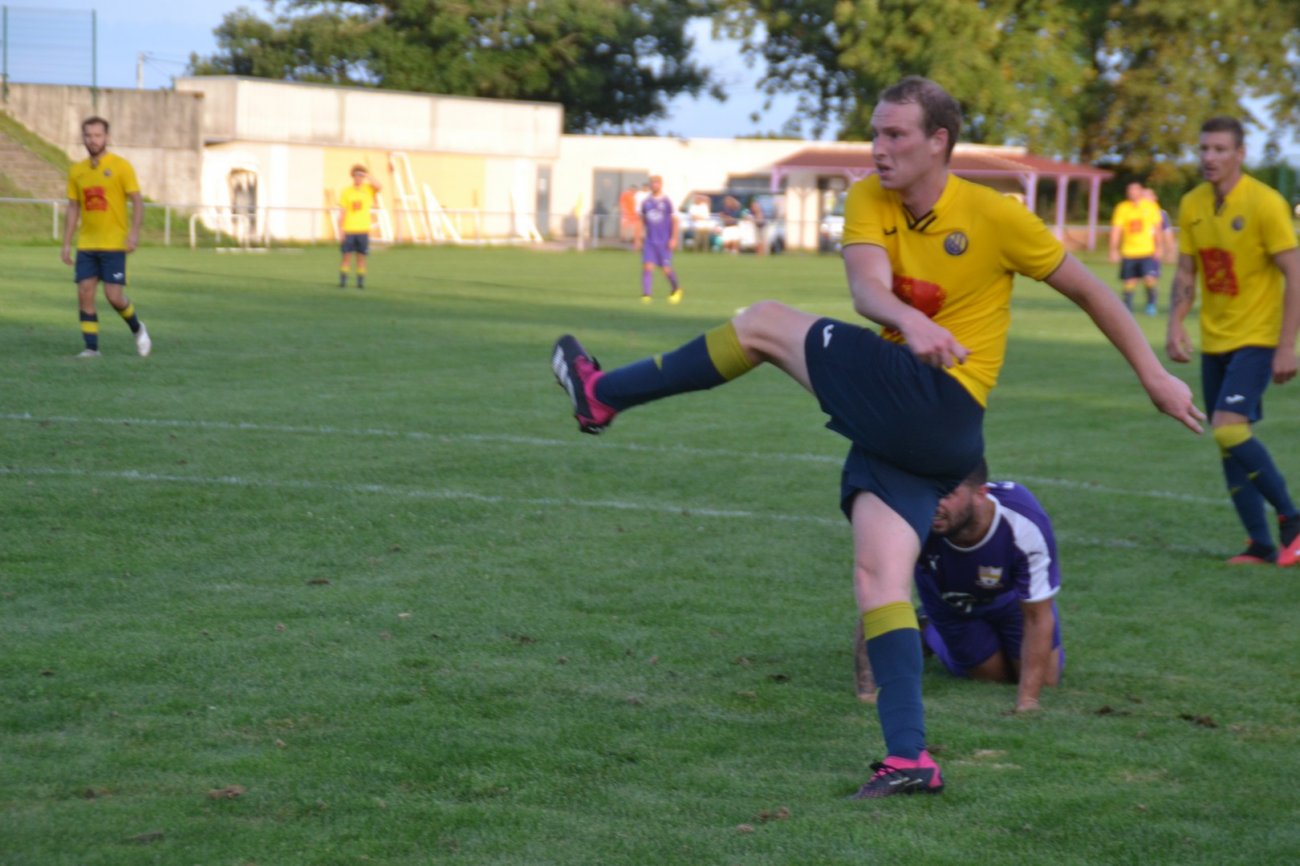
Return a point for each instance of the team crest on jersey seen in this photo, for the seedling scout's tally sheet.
(989, 577)
(1238, 223)
(956, 243)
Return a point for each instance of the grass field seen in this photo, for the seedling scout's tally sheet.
(331, 578)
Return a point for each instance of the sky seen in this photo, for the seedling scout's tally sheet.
(168, 31)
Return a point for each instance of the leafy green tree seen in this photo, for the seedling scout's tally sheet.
(613, 65)
(1118, 81)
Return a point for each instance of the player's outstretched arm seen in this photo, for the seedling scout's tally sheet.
(870, 282)
(1169, 393)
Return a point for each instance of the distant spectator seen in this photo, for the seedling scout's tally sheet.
(629, 216)
(701, 223)
(732, 213)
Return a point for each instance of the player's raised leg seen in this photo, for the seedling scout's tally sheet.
(767, 331)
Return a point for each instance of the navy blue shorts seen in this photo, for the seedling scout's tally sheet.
(106, 265)
(972, 639)
(916, 432)
(1136, 269)
(358, 243)
(1235, 381)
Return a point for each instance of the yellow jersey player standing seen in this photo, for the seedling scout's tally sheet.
(1135, 243)
(356, 202)
(1236, 232)
(99, 188)
(931, 257)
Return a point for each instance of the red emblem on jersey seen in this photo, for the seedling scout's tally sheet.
(95, 198)
(926, 297)
(1220, 276)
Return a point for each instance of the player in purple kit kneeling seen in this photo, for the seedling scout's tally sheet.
(987, 577)
(657, 238)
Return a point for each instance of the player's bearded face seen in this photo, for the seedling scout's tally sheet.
(956, 511)
(95, 137)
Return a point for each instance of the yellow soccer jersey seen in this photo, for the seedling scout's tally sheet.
(1138, 223)
(1241, 304)
(102, 192)
(956, 264)
(357, 202)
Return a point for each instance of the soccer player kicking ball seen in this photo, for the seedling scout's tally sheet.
(930, 257)
(99, 188)
(1237, 233)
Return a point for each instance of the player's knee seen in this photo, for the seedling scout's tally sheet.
(1231, 435)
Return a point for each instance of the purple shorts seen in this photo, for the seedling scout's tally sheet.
(964, 641)
(655, 255)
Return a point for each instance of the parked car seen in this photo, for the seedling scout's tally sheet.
(761, 215)
(830, 233)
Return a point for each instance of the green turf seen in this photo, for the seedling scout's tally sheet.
(346, 551)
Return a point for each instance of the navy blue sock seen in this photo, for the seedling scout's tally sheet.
(705, 362)
(1247, 500)
(896, 661)
(1254, 458)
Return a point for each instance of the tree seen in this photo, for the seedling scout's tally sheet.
(612, 65)
(1117, 81)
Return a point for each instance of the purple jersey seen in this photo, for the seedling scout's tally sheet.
(1015, 562)
(657, 215)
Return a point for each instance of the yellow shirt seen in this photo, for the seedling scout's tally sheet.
(357, 202)
(1241, 304)
(956, 264)
(1137, 223)
(102, 192)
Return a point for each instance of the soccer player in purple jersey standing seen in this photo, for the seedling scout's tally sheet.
(657, 238)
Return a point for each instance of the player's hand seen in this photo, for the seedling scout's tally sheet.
(1178, 346)
(932, 343)
(66, 255)
(1172, 396)
(132, 241)
(1284, 365)
(1114, 257)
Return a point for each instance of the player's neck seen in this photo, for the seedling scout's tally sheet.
(921, 197)
(1225, 186)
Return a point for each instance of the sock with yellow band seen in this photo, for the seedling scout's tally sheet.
(90, 330)
(1252, 462)
(703, 363)
(128, 315)
(894, 648)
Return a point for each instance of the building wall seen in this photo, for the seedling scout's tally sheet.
(158, 131)
(244, 109)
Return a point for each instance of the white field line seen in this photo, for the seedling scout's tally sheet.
(536, 442)
(470, 496)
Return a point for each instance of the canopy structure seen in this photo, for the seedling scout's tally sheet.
(970, 161)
